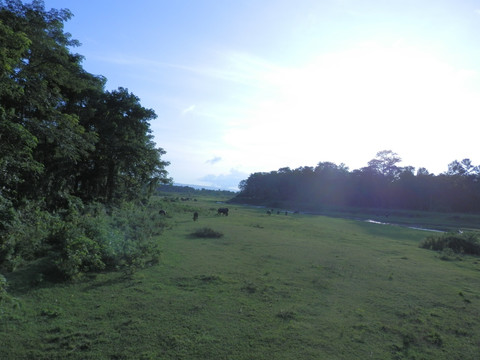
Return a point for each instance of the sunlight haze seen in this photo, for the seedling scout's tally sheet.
(254, 86)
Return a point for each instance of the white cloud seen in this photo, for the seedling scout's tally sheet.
(227, 181)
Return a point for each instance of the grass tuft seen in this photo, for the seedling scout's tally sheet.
(286, 315)
(207, 232)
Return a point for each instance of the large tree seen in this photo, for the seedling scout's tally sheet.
(385, 164)
(57, 118)
(125, 162)
(16, 142)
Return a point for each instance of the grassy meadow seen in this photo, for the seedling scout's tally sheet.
(272, 287)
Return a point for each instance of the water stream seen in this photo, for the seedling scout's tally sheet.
(407, 226)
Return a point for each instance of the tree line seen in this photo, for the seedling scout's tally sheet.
(381, 184)
(65, 141)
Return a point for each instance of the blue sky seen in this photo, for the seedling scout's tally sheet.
(255, 85)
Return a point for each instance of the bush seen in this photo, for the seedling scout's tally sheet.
(79, 255)
(466, 243)
(125, 239)
(3, 289)
(207, 233)
(80, 238)
(23, 237)
(133, 242)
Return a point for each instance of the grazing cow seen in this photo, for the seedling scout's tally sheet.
(162, 212)
(195, 216)
(222, 211)
(269, 212)
(278, 212)
(286, 212)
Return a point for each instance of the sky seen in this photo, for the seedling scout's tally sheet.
(244, 86)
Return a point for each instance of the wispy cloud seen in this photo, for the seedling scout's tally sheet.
(215, 160)
(236, 67)
(188, 110)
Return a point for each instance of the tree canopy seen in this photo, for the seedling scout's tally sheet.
(381, 184)
(61, 133)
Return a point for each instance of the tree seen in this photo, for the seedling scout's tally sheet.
(16, 142)
(385, 163)
(40, 85)
(463, 168)
(125, 162)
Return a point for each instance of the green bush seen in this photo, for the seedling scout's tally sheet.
(466, 243)
(74, 253)
(207, 233)
(3, 289)
(132, 241)
(81, 238)
(23, 237)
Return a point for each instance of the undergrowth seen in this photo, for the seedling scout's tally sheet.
(81, 238)
(465, 243)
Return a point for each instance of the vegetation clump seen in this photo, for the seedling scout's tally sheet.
(207, 232)
(466, 243)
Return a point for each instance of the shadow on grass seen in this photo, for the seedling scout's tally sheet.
(41, 274)
(35, 274)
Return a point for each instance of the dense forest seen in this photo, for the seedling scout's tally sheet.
(189, 190)
(74, 157)
(381, 184)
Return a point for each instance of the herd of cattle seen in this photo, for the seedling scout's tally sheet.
(220, 211)
(224, 211)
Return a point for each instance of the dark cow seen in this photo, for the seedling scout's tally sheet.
(162, 212)
(269, 212)
(222, 211)
(195, 216)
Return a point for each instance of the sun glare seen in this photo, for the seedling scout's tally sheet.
(369, 97)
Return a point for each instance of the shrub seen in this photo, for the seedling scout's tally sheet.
(80, 238)
(133, 240)
(81, 255)
(207, 233)
(23, 236)
(466, 243)
(3, 289)
(286, 315)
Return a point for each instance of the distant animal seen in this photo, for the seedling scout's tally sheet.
(162, 212)
(222, 211)
(195, 216)
(278, 212)
(286, 212)
(269, 212)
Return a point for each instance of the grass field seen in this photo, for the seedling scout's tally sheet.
(272, 287)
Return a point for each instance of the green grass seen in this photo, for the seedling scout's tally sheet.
(272, 287)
